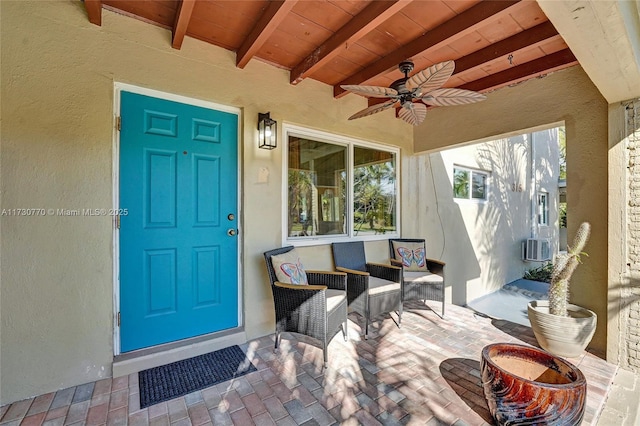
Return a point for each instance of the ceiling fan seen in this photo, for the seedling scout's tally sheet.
(412, 93)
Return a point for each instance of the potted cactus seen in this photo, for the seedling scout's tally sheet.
(560, 327)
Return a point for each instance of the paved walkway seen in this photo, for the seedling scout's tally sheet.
(510, 302)
(425, 373)
(622, 407)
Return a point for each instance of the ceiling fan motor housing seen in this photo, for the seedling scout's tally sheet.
(399, 85)
(406, 67)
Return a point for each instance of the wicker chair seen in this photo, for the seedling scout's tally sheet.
(373, 288)
(317, 310)
(428, 285)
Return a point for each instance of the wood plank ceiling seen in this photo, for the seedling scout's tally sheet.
(493, 43)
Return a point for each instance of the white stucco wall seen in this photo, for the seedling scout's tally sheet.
(480, 241)
(58, 73)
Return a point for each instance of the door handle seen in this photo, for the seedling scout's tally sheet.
(231, 232)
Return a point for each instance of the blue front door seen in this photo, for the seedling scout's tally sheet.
(178, 248)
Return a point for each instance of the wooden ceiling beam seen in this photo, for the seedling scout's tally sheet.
(275, 12)
(462, 24)
(526, 38)
(563, 59)
(536, 68)
(364, 22)
(183, 16)
(94, 11)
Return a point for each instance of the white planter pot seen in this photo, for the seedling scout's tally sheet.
(562, 336)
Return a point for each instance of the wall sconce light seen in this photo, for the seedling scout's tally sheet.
(267, 134)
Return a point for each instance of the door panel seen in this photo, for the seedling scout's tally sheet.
(178, 182)
(160, 197)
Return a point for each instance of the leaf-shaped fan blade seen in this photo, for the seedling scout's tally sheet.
(450, 97)
(431, 78)
(373, 109)
(371, 91)
(413, 113)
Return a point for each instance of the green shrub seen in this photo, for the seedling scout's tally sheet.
(540, 273)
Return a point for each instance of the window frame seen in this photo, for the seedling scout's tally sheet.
(348, 142)
(471, 171)
(544, 214)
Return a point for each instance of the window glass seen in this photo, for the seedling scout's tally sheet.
(316, 199)
(479, 186)
(460, 183)
(543, 208)
(374, 191)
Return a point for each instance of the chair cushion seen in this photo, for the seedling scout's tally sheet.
(412, 255)
(422, 277)
(378, 285)
(334, 297)
(289, 269)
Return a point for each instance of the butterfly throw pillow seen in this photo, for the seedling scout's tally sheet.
(412, 255)
(289, 268)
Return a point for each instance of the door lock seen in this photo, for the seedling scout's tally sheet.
(231, 232)
(230, 216)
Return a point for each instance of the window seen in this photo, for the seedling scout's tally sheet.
(339, 187)
(543, 208)
(470, 184)
(374, 191)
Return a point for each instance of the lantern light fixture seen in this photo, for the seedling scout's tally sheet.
(267, 131)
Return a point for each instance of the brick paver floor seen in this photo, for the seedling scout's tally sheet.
(424, 373)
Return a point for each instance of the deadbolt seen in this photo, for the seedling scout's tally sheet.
(231, 216)
(231, 232)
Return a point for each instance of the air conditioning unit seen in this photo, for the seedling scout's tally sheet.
(537, 249)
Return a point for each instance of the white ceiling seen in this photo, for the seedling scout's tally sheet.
(604, 35)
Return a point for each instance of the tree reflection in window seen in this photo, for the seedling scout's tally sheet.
(460, 183)
(374, 191)
(300, 192)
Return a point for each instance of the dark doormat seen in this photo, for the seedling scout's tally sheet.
(179, 378)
